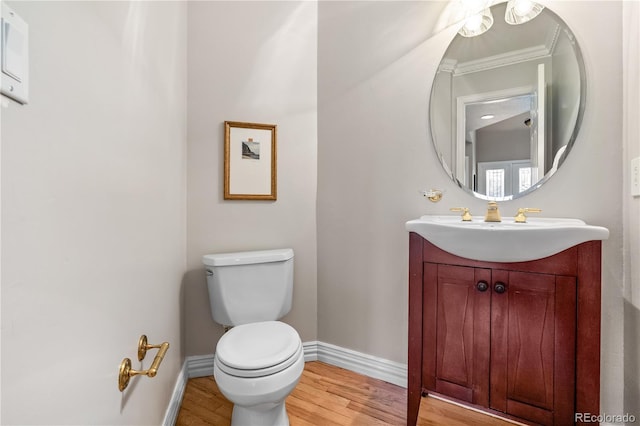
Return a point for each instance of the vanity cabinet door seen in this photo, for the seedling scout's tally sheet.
(456, 325)
(501, 339)
(533, 332)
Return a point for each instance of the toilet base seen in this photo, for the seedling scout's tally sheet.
(260, 401)
(260, 415)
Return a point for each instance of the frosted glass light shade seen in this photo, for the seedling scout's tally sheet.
(477, 24)
(521, 11)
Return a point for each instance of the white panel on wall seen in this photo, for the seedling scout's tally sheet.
(14, 54)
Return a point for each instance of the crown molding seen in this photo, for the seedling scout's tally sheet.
(509, 58)
(497, 61)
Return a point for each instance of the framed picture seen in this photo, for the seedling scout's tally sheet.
(249, 161)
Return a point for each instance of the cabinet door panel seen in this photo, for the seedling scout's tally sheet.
(461, 333)
(527, 321)
(566, 333)
(429, 321)
(455, 325)
(499, 339)
(531, 339)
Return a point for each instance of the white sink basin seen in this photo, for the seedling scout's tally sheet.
(505, 241)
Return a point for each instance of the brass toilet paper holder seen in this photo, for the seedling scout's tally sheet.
(126, 372)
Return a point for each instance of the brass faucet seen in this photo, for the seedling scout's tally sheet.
(466, 216)
(521, 217)
(493, 214)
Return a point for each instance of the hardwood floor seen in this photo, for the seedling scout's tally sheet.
(328, 395)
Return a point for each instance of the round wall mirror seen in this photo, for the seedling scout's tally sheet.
(506, 105)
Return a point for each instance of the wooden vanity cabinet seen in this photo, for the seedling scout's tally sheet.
(520, 340)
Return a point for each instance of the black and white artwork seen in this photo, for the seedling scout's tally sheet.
(250, 149)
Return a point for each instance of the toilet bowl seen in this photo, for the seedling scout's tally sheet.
(256, 366)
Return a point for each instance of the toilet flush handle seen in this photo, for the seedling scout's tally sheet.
(209, 273)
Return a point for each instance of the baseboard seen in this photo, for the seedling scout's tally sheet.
(310, 351)
(171, 415)
(358, 362)
(199, 366)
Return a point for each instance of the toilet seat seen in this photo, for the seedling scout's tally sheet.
(258, 349)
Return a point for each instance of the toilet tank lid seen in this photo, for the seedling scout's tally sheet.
(247, 257)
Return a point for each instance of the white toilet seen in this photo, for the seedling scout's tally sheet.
(259, 361)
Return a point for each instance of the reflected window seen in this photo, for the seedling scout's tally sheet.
(503, 179)
(495, 182)
(524, 178)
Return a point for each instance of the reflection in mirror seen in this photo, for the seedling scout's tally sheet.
(506, 105)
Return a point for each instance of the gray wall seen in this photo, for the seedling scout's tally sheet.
(376, 62)
(252, 62)
(374, 74)
(503, 141)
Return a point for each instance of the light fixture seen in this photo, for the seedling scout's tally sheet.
(521, 11)
(487, 117)
(477, 24)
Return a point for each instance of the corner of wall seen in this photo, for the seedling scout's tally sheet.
(631, 207)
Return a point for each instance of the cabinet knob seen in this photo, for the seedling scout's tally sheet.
(482, 286)
(500, 287)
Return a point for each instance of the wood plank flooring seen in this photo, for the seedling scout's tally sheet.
(328, 395)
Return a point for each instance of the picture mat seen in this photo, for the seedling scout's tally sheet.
(250, 176)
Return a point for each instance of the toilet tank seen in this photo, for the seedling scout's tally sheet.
(250, 286)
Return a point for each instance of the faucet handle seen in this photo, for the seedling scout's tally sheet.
(466, 215)
(521, 217)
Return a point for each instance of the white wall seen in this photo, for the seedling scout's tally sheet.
(251, 62)
(631, 206)
(93, 212)
(375, 67)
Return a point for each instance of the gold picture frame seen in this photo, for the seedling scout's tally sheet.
(250, 161)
